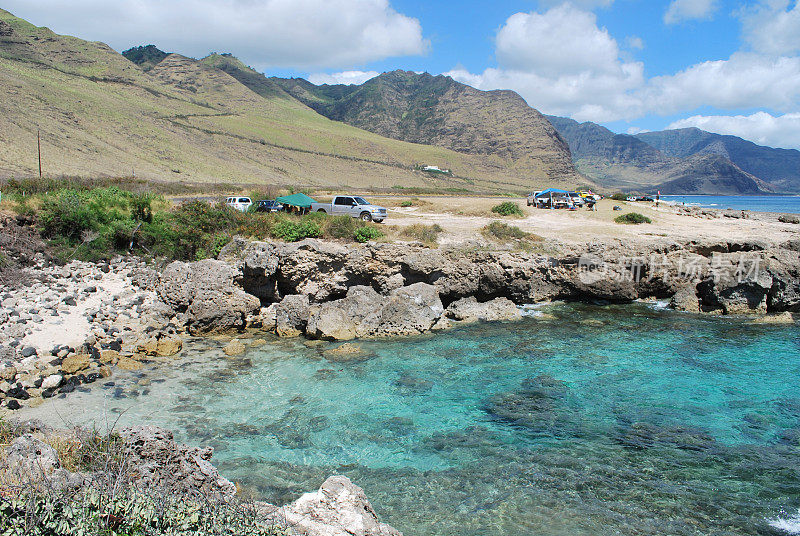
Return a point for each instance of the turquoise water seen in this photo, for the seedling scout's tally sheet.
(756, 203)
(585, 420)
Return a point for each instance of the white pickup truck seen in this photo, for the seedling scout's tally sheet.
(351, 205)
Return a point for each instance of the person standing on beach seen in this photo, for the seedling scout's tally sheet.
(658, 197)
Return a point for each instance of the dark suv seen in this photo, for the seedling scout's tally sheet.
(267, 205)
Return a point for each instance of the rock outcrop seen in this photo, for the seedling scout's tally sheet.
(208, 293)
(494, 310)
(339, 508)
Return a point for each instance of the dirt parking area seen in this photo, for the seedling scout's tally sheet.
(462, 218)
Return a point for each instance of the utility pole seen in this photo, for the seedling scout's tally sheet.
(39, 146)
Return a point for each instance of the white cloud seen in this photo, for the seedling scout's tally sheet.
(760, 127)
(344, 77)
(264, 33)
(634, 42)
(683, 10)
(743, 81)
(561, 62)
(773, 27)
(636, 130)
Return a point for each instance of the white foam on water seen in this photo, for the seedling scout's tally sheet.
(532, 309)
(658, 305)
(789, 525)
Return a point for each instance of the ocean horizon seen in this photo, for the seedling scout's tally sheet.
(755, 203)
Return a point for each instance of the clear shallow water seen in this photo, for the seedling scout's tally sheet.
(756, 203)
(583, 420)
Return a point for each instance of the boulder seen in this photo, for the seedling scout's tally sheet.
(208, 293)
(52, 381)
(410, 310)
(31, 459)
(736, 285)
(685, 299)
(339, 508)
(356, 315)
(127, 363)
(75, 363)
(161, 463)
(159, 345)
(470, 309)
(235, 347)
(291, 315)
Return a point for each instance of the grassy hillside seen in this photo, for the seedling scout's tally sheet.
(183, 120)
(437, 110)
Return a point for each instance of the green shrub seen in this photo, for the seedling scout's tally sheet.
(503, 231)
(141, 209)
(407, 203)
(67, 215)
(508, 208)
(633, 218)
(94, 513)
(619, 197)
(424, 233)
(342, 227)
(293, 231)
(365, 234)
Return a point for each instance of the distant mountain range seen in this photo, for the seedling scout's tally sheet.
(171, 118)
(685, 161)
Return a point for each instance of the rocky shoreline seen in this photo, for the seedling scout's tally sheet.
(75, 324)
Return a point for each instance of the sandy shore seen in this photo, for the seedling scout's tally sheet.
(462, 218)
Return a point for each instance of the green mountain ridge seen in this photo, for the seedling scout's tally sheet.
(437, 110)
(208, 121)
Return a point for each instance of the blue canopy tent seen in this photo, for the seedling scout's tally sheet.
(554, 195)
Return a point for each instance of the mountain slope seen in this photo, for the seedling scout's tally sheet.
(101, 115)
(628, 163)
(437, 110)
(779, 167)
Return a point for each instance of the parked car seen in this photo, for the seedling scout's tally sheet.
(645, 198)
(576, 199)
(268, 205)
(239, 203)
(351, 205)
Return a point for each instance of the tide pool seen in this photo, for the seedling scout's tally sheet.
(581, 420)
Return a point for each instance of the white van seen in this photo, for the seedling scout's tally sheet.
(239, 203)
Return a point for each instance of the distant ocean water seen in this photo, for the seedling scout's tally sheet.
(756, 203)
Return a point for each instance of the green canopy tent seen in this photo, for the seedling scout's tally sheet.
(300, 201)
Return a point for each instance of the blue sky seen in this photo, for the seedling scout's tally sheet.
(729, 66)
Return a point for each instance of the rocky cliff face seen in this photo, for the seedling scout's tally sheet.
(332, 291)
(437, 110)
(631, 163)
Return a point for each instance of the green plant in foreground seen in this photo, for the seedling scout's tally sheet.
(503, 231)
(93, 513)
(294, 231)
(365, 234)
(633, 218)
(508, 208)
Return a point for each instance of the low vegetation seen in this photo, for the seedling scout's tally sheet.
(503, 231)
(427, 234)
(633, 218)
(113, 504)
(508, 208)
(98, 223)
(619, 197)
